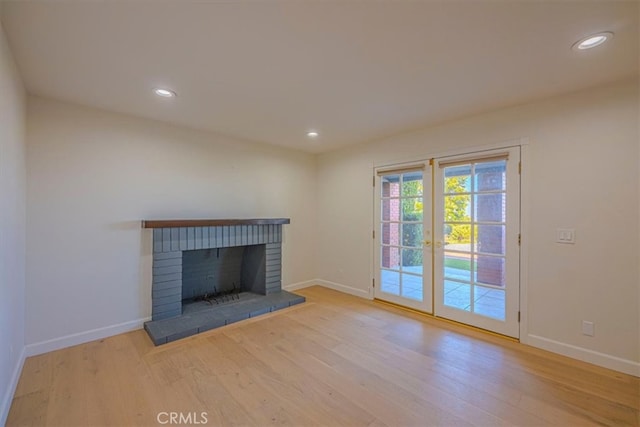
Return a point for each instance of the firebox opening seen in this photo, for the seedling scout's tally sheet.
(211, 277)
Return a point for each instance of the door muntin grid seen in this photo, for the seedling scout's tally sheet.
(401, 231)
(474, 230)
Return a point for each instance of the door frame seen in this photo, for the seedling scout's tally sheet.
(523, 143)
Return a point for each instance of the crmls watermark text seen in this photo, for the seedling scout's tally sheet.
(182, 418)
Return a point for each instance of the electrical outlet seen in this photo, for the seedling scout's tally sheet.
(566, 235)
(587, 328)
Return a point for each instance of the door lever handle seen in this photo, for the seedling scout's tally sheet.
(427, 242)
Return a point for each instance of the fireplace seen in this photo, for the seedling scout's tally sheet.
(209, 273)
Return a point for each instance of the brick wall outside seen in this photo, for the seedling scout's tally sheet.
(390, 231)
(490, 239)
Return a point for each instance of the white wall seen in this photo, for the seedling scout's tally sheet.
(12, 226)
(93, 175)
(583, 173)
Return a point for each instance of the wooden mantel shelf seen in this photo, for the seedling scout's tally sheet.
(171, 223)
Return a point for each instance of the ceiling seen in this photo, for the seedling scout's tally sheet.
(269, 71)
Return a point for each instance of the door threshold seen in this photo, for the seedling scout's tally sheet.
(403, 307)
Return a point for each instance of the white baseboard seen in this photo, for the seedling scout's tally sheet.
(344, 288)
(327, 284)
(601, 359)
(300, 285)
(83, 337)
(11, 389)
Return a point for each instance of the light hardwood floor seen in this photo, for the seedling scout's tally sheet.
(337, 360)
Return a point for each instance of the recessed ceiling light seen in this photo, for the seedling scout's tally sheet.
(165, 93)
(592, 41)
(312, 134)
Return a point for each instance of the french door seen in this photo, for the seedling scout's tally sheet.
(403, 215)
(476, 232)
(449, 238)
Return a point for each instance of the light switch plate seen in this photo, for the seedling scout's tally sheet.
(566, 235)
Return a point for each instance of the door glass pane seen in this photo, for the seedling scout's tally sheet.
(489, 302)
(412, 286)
(412, 260)
(490, 270)
(491, 239)
(457, 208)
(457, 179)
(391, 209)
(457, 266)
(491, 176)
(457, 295)
(390, 282)
(390, 257)
(391, 233)
(391, 186)
(457, 237)
(490, 207)
(412, 209)
(412, 235)
(412, 184)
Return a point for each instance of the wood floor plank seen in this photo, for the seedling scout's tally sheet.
(307, 353)
(67, 404)
(265, 408)
(381, 405)
(29, 409)
(141, 399)
(293, 383)
(36, 375)
(335, 360)
(381, 366)
(101, 385)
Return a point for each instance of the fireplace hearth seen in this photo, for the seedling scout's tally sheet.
(210, 273)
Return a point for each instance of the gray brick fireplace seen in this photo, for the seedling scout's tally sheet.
(209, 273)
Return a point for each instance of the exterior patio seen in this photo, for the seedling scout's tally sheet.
(483, 300)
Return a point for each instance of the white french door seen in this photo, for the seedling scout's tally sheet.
(477, 240)
(448, 238)
(403, 218)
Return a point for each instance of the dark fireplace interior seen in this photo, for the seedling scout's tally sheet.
(216, 276)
